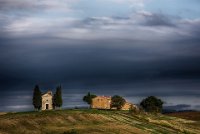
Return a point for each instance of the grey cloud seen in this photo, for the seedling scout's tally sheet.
(193, 26)
(96, 62)
(8, 5)
(178, 107)
(145, 25)
(197, 107)
(158, 20)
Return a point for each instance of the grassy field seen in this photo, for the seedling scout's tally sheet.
(94, 122)
(187, 115)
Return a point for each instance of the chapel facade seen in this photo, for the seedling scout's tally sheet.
(47, 101)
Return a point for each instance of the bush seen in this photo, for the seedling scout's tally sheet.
(152, 104)
(136, 110)
(117, 102)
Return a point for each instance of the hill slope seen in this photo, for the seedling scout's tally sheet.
(93, 121)
(193, 115)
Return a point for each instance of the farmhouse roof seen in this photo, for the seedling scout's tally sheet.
(105, 97)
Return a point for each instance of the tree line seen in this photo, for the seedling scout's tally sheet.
(150, 104)
(37, 98)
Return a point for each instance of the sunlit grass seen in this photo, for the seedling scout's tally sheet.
(86, 121)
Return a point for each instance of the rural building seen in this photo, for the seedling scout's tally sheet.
(104, 102)
(128, 106)
(101, 102)
(47, 102)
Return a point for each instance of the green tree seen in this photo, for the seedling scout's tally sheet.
(57, 98)
(54, 101)
(152, 104)
(37, 98)
(88, 98)
(117, 102)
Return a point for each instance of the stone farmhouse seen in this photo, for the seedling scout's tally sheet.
(104, 102)
(47, 101)
(127, 106)
(101, 102)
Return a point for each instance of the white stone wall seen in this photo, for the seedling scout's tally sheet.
(47, 100)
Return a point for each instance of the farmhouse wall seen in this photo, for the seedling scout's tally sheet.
(101, 102)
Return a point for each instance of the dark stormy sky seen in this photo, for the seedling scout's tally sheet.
(134, 48)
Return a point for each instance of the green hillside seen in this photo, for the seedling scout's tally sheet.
(93, 122)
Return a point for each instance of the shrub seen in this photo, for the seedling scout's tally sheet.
(117, 102)
(152, 104)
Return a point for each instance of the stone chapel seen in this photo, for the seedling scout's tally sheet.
(47, 101)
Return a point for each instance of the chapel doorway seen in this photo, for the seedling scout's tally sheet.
(47, 106)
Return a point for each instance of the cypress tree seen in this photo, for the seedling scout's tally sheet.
(88, 98)
(54, 101)
(37, 98)
(58, 97)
